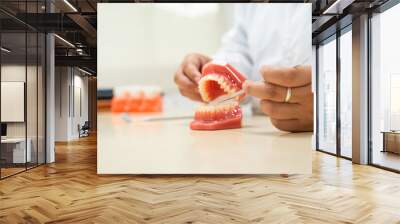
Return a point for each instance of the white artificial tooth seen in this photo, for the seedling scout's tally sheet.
(201, 83)
(201, 92)
(223, 85)
(203, 89)
(227, 89)
(213, 113)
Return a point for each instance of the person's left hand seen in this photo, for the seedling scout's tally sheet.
(294, 115)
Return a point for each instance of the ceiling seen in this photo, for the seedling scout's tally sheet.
(76, 22)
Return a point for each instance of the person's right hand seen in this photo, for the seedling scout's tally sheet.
(188, 75)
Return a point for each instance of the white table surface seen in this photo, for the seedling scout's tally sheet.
(19, 151)
(170, 147)
(13, 140)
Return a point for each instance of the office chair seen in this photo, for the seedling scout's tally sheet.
(84, 130)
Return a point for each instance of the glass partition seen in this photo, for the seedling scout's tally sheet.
(385, 89)
(13, 95)
(346, 93)
(22, 77)
(327, 96)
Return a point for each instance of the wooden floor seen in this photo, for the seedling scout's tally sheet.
(5, 172)
(387, 159)
(69, 191)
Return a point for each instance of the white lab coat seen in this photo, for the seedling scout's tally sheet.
(267, 34)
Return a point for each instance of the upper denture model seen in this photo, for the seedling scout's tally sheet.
(219, 81)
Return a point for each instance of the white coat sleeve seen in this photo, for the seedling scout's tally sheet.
(234, 45)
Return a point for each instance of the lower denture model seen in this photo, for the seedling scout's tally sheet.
(219, 81)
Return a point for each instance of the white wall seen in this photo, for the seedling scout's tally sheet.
(70, 83)
(61, 103)
(82, 82)
(81, 103)
(145, 43)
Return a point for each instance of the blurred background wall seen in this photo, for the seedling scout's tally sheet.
(143, 44)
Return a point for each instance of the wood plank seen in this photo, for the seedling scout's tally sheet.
(70, 191)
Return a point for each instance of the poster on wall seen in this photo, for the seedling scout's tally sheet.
(12, 101)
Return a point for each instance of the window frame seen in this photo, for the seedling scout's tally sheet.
(381, 9)
(334, 37)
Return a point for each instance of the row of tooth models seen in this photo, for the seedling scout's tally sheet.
(219, 81)
(137, 100)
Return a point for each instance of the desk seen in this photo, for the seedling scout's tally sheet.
(391, 141)
(18, 151)
(170, 147)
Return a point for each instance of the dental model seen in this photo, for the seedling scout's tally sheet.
(219, 81)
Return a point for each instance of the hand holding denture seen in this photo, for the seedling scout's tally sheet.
(219, 81)
(188, 75)
(286, 96)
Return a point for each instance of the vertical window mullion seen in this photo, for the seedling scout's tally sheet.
(317, 96)
(0, 93)
(369, 90)
(338, 80)
(37, 90)
(26, 86)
